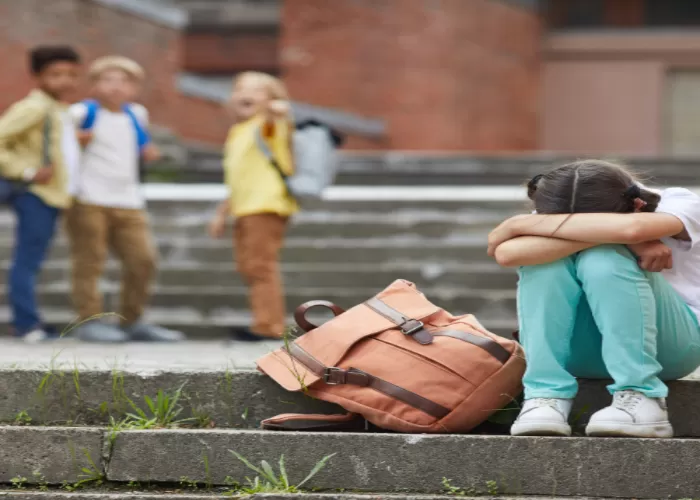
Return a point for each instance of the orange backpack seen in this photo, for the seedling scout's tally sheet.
(399, 361)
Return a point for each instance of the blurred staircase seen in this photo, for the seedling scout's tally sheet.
(387, 218)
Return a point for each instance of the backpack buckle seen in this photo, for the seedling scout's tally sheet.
(335, 376)
(411, 326)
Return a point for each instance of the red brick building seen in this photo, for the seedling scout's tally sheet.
(598, 76)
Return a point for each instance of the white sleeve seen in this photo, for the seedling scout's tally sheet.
(685, 205)
(78, 112)
(141, 114)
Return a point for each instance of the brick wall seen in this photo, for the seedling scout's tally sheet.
(231, 52)
(96, 30)
(445, 74)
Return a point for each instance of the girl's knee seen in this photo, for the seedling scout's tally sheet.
(606, 261)
(551, 270)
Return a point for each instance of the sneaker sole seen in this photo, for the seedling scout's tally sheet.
(616, 429)
(540, 429)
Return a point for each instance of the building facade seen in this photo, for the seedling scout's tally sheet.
(611, 77)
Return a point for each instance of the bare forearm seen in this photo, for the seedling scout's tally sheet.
(534, 250)
(224, 208)
(600, 228)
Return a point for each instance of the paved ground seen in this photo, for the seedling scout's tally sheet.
(137, 357)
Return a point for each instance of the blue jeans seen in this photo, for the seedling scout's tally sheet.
(596, 314)
(36, 225)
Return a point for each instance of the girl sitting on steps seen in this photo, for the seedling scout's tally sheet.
(609, 288)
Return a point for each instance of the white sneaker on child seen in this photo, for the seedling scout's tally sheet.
(543, 417)
(632, 414)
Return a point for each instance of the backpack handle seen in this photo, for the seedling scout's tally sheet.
(300, 313)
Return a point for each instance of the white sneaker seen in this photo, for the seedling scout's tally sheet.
(36, 336)
(632, 414)
(543, 417)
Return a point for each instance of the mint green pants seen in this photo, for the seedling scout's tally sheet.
(596, 314)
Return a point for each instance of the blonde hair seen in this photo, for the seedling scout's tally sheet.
(273, 85)
(128, 66)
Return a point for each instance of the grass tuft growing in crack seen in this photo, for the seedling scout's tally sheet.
(162, 412)
(269, 481)
(492, 489)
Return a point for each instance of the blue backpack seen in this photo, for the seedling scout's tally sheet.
(143, 138)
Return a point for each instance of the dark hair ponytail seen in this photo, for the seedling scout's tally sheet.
(589, 186)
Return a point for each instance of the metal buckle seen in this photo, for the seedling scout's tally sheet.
(411, 326)
(328, 376)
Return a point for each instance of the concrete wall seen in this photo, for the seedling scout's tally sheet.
(605, 93)
(445, 74)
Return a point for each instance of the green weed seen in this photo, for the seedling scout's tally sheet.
(40, 480)
(187, 483)
(18, 482)
(492, 489)
(90, 475)
(269, 481)
(163, 412)
(23, 418)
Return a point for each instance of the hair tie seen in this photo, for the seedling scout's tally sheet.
(633, 192)
(532, 185)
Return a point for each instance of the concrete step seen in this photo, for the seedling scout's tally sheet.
(416, 169)
(424, 274)
(321, 224)
(156, 493)
(209, 299)
(217, 324)
(501, 465)
(68, 393)
(379, 250)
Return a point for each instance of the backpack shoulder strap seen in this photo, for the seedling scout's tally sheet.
(267, 152)
(92, 107)
(143, 138)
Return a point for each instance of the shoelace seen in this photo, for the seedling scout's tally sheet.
(543, 402)
(627, 400)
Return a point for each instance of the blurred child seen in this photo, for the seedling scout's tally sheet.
(258, 199)
(108, 213)
(30, 153)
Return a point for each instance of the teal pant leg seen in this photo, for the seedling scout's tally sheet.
(628, 324)
(548, 298)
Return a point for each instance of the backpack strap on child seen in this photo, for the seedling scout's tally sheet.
(143, 138)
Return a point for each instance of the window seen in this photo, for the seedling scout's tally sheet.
(582, 14)
(672, 12)
(575, 13)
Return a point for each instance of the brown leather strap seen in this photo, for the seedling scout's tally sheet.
(491, 346)
(350, 422)
(300, 313)
(306, 359)
(408, 326)
(339, 376)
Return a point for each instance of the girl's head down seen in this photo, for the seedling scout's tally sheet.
(590, 186)
(253, 92)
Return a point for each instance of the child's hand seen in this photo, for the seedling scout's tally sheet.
(84, 137)
(217, 226)
(43, 175)
(151, 153)
(278, 108)
(654, 256)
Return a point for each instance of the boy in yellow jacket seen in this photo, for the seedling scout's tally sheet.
(30, 153)
(258, 199)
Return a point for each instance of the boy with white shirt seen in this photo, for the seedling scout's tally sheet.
(108, 213)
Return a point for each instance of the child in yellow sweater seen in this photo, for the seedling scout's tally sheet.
(259, 199)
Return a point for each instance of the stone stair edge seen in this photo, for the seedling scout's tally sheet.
(231, 398)
(127, 495)
(398, 463)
